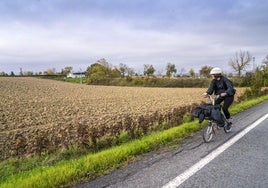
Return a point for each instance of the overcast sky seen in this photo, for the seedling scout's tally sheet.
(37, 35)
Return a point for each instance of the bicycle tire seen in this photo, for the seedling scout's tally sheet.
(209, 133)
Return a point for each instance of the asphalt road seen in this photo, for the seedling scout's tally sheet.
(243, 164)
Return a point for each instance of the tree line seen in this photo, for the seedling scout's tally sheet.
(103, 73)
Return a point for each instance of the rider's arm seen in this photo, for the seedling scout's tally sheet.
(211, 88)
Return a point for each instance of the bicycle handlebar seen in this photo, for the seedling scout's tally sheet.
(213, 99)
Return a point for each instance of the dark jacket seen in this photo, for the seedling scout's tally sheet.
(224, 85)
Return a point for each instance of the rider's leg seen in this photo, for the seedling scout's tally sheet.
(227, 102)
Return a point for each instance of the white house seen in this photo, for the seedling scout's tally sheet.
(76, 75)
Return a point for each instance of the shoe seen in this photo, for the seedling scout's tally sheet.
(229, 126)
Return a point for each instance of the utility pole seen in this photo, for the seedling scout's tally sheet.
(253, 59)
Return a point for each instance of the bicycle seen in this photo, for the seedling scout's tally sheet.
(209, 131)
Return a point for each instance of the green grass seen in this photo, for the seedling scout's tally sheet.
(234, 109)
(87, 167)
(94, 165)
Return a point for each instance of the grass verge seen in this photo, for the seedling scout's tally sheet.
(234, 109)
(88, 167)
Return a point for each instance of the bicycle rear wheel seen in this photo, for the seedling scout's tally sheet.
(209, 133)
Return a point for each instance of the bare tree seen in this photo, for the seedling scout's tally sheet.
(130, 71)
(123, 69)
(182, 70)
(205, 70)
(240, 61)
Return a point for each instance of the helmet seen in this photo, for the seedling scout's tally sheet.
(215, 70)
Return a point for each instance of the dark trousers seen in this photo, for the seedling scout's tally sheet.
(227, 101)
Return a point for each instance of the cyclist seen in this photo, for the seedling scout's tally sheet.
(222, 86)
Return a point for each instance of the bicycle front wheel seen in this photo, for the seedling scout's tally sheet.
(209, 133)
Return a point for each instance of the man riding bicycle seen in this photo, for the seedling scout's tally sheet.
(223, 87)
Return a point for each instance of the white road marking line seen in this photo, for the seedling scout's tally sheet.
(199, 165)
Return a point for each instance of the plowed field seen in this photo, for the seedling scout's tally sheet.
(39, 115)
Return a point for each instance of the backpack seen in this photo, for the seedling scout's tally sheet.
(233, 90)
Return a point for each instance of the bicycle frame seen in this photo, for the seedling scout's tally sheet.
(210, 131)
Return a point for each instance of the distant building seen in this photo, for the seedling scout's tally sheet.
(76, 75)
